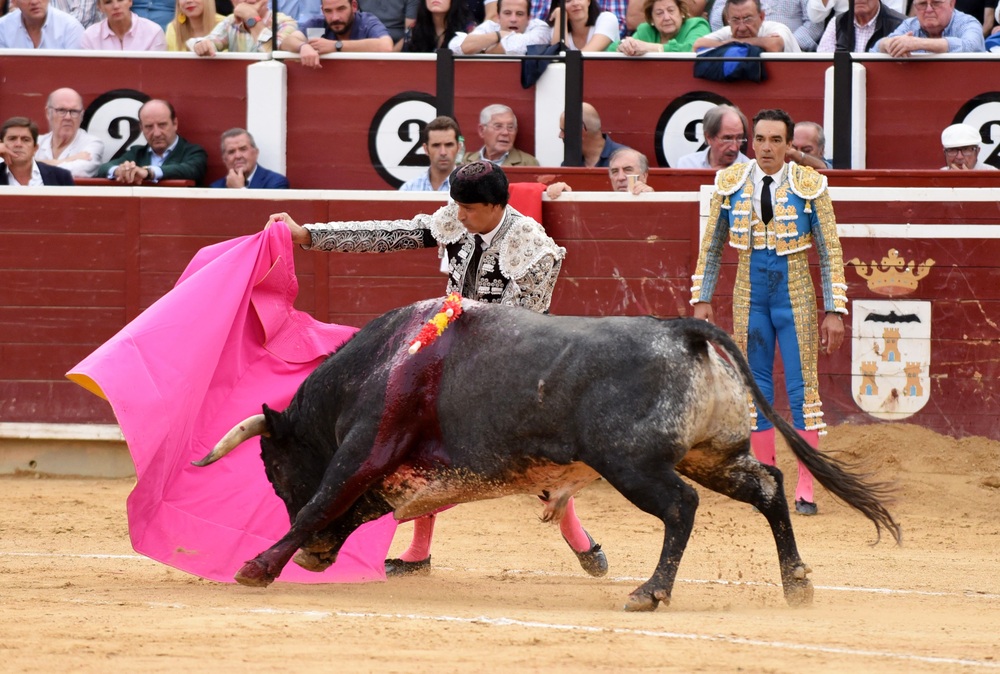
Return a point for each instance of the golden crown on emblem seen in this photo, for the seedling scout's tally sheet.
(893, 276)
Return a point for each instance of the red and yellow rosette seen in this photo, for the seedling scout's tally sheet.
(450, 310)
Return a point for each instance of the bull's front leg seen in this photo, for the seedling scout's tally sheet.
(320, 551)
(341, 487)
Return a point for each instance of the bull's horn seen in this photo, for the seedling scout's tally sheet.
(244, 430)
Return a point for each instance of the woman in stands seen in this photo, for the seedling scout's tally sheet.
(123, 30)
(438, 21)
(669, 27)
(589, 29)
(192, 19)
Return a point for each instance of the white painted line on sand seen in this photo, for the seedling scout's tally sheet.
(563, 627)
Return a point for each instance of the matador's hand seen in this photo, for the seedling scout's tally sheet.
(831, 333)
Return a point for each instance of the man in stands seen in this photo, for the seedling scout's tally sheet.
(511, 33)
(858, 32)
(239, 154)
(32, 24)
(166, 156)
(937, 28)
(961, 144)
(725, 129)
(250, 28)
(498, 129)
(746, 24)
(597, 146)
(66, 145)
(625, 164)
(18, 144)
(348, 29)
(441, 147)
(793, 14)
(808, 146)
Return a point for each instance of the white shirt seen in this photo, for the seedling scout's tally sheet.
(82, 142)
(60, 31)
(606, 25)
(536, 32)
(758, 184)
(767, 29)
(34, 181)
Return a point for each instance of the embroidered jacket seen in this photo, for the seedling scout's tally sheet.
(803, 216)
(519, 267)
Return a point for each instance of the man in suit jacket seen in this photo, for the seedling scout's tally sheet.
(498, 129)
(18, 144)
(166, 156)
(239, 154)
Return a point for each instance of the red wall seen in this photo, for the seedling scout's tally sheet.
(75, 269)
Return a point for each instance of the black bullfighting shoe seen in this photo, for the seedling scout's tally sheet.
(397, 567)
(593, 560)
(804, 507)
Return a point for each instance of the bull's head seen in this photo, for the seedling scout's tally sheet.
(292, 467)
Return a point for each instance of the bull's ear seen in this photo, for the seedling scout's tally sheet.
(274, 422)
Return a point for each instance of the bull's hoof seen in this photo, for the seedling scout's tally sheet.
(640, 601)
(798, 588)
(254, 574)
(314, 561)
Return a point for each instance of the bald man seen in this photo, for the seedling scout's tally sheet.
(66, 145)
(597, 145)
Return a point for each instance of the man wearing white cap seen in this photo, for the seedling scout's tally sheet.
(961, 144)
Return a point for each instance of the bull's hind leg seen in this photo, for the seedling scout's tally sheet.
(663, 494)
(741, 477)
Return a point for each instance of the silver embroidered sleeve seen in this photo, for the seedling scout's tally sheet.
(534, 289)
(370, 236)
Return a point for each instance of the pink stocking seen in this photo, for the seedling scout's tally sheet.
(804, 487)
(762, 444)
(420, 546)
(572, 530)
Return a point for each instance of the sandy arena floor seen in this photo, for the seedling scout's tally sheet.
(506, 594)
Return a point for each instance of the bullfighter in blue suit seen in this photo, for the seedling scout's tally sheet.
(772, 214)
(239, 154)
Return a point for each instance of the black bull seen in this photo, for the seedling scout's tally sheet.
(508, 401)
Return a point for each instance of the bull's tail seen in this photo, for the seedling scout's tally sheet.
(858, 492)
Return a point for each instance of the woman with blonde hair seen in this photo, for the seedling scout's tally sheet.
(192, 19)
(669, 27)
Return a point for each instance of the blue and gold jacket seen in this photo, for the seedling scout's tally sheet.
(803, 217)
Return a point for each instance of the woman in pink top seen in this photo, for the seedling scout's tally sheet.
(123, 30)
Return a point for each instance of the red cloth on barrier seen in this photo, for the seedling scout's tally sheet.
(527, 199)
(201, 359)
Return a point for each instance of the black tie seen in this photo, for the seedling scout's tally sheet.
(472, 271)
(766, 211)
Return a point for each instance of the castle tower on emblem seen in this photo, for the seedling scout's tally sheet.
(890, 352)
(913, 387)
(869, 387)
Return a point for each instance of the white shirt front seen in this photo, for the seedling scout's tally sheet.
(767, 29)
(758, 185)
(34, 181)
(82, 142)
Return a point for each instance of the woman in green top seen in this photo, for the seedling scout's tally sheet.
(668, 28)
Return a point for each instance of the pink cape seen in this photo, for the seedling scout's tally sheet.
(201, 359)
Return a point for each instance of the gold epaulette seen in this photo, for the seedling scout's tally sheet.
(805, 181)
(731, 178)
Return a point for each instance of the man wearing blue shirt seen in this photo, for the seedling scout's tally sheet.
(32, 24)
(441, 147)
(938, 28)
(348, 29)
